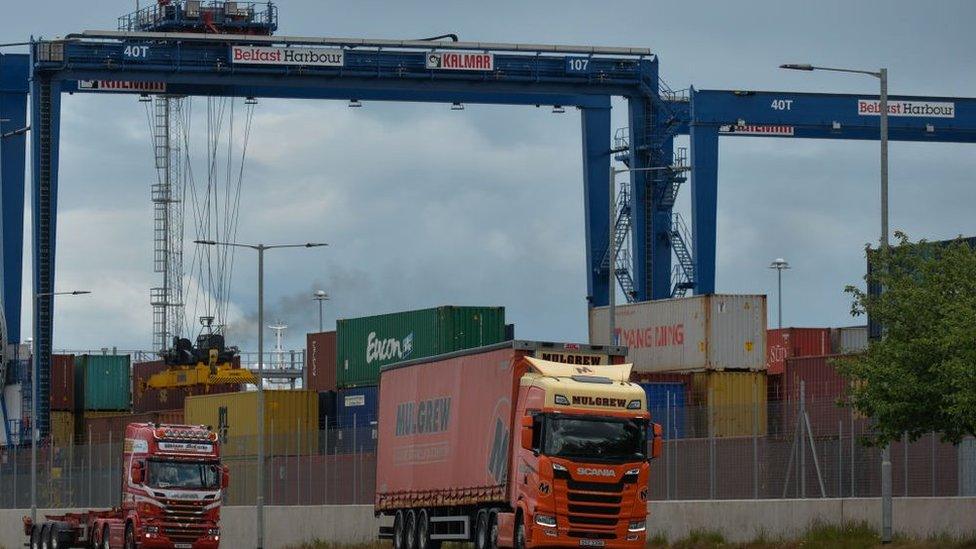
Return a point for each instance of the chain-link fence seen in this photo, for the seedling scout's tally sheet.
(783, 449)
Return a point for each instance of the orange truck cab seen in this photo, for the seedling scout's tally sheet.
(172, 485)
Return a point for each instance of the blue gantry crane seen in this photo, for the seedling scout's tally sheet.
(664, 258)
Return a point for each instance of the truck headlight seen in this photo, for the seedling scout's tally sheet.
(637, 526)
(548, 521)
(213, 531)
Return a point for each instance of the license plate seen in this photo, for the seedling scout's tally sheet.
(592, 543)
(183, 546)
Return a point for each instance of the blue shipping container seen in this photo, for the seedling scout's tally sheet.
(666, 402)
(357, 412)
(357, 407)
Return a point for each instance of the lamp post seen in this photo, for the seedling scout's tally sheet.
(882, 76)
(612, 241)
(321, 297)
(780, 265)
(34, 404)
(260, 248)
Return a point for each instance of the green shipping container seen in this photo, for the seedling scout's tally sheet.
(102, 382)
(367, 344)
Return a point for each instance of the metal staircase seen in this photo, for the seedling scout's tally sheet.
(682, 274)
(621, 232)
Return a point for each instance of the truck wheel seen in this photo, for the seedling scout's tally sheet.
(46, 536)
(55, 535)
(36, 532)
(481, 531)
(130, 536)
(493, 530)
(520, 532)
(411, 530)
(399, 536)
(424, 532)
(105, 533)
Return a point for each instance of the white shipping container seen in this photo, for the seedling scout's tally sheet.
(852, 339)
(710, 332)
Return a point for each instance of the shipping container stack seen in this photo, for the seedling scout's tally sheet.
(343, 366)
(700, 359)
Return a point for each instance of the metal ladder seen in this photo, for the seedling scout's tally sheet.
(44, 266)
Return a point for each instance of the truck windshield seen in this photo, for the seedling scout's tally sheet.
(192, 476)
(604, 439)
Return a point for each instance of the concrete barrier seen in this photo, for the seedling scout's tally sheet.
(737, 520)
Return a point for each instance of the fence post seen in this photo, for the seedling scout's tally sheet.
(932, 463)
(298, 461)
(904, 445)
(840, 458)
(16, 459)
(711, 443)
(667, 439)
(355, 459)
(110, 470)
(852, 452)
(674, 450)
(90, 467)
(803, 444)
(755, 440)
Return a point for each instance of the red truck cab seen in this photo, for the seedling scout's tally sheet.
(172, 485)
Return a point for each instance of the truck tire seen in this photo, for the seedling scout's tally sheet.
(56, 534)
(411, 530)
(399, 531)
(46, 536)
(519, 532)
(424, 531)
(35, 539)
(130, 536)
(493, 530)
(482, 532)
(105, 540)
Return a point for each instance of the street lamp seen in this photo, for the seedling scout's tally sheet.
(882, 75)
(34, 388)
(260, 248)
(612, 241)
(780, 265)
(321, 297)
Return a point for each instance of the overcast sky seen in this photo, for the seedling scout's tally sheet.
(424, 206)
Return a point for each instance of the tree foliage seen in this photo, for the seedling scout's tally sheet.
(921, 375)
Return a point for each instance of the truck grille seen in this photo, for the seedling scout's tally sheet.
(615, 487)
(593, 498)
(184, 534)
(598, 521)
(594, 509)
(184, 520)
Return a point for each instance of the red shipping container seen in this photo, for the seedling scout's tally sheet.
(783, 343)
(823, 388)
(147, 399)
(63, 382)
(320, 362)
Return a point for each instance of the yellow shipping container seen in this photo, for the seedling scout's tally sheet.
(291, 420)
(62, 428)
(735, 403)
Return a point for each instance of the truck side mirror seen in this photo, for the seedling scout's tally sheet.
(224, 477)
(138, 473)
(657, 443)
(526, 433)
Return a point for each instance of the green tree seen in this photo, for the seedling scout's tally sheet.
(921, 376)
